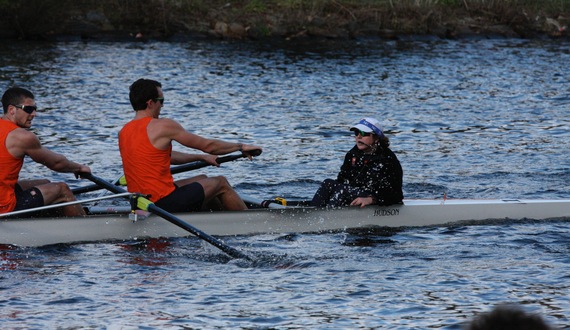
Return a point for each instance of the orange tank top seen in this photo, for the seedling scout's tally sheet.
(147, 169)
(10, 167)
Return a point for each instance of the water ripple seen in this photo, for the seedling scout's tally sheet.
(476, 119)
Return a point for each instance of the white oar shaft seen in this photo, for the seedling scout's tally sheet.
(52, 206)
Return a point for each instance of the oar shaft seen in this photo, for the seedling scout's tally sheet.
(197, 232)
(171, 218)
(86, 189)
(200, 164)
(174, 170)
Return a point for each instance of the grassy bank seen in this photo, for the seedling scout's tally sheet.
(260, 19)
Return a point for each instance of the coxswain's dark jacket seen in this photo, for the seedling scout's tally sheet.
(378, 174)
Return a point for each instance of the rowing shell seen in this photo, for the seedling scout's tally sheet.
(413, 213)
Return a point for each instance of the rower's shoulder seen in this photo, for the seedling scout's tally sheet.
(23, 136)
(165, 123)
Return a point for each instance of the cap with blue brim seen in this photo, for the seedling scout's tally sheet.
(368, 125)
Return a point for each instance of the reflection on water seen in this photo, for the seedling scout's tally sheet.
(480, 119)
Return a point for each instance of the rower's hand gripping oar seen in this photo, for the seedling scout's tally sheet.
(174, 170)
(147, 205)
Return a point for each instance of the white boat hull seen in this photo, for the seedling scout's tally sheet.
(112, 227)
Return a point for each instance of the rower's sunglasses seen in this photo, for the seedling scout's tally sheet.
(29, 109)
(159, 99)
(361, 133)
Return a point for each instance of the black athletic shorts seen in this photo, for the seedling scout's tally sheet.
(27, 199)
(183, 199)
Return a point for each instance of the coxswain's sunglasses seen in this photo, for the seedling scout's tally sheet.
(29, 109)
(358, 132)
(159, 99)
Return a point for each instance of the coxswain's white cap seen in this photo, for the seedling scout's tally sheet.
(368, 125)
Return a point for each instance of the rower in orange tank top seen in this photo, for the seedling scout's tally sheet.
(151, 176)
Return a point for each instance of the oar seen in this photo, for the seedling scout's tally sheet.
(145, 204)
(200, 164)
(173, 170)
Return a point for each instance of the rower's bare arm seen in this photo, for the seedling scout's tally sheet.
(176, 132)
(52, 160)
(178, 158)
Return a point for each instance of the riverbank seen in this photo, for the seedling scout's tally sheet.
(282, 19)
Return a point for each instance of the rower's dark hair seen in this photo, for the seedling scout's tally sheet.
(141, 91)
(15, 96)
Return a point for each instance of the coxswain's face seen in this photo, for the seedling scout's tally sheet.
(364, 141)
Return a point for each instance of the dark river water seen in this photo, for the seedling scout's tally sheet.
(470, 119)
